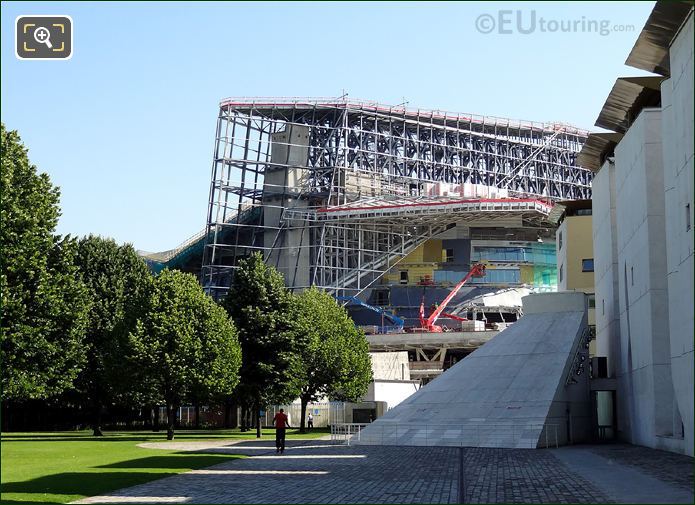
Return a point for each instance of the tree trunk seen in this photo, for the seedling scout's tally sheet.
(227, 413)
(171, 420)
(96, 419)
(243, 418)
(156, 422)
(197, 416)
(305, 402)
(258, 418)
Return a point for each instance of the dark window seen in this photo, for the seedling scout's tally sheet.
(560, 278)
(592, 301)
(588, 265)
(632, 276)
(559, 240)
(603, 307)
(687, 217)
(404, 277)
(583, 212)
(381, 297)
(449, 255)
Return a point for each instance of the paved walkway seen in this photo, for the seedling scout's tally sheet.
(319, 471)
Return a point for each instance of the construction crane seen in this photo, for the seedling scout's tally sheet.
(397, 322)
(478, 270)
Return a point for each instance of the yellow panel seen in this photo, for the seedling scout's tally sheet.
(526, 274)
(415, 256)
(579, 246)
(432, 251)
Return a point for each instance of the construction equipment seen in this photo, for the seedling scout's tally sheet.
(397, 322)
(477, 270)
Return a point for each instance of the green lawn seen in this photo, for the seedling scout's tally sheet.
(65, 466)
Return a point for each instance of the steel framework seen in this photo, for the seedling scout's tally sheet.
(334, 192)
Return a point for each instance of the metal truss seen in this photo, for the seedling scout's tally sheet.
(335, 192)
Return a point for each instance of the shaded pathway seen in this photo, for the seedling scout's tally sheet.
(319, 471)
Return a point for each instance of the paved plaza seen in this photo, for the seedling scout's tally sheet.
(321, 471)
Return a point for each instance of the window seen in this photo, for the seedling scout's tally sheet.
(381, 297)
(588, 265)
(496, 276)
(404, 277)
(559, 240)
(560, 273)
(449, 255)
(632, 276)
(687, 217)
(583, 212)
(592, 301)
(603, 307)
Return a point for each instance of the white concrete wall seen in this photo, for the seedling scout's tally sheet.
(606, 267)
(645, 367)
(392, 392)
(390, 365)
(677, 132)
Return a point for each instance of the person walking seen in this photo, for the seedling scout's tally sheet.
(310, 421)
(281, 422)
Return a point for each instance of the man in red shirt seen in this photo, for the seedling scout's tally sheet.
(281, 422)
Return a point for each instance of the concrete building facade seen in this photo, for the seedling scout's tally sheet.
(678, 134)
(642, 234)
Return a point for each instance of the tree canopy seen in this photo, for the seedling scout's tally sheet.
(258, 302)
(44, 303)
(184, 342)
(118, 281)
(334, 358)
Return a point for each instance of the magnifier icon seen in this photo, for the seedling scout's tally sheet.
(43, 36)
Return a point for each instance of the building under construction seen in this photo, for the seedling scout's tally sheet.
(387, 203)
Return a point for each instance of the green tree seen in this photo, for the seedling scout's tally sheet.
(118, 281)
(334, 358)
(184, 342)
(258, 302)
(44, 303)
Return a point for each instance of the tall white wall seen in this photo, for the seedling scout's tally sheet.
(281, 187)
(390, 365)
(606, 267)
(677, 132)
(645, 366)
(392, 392)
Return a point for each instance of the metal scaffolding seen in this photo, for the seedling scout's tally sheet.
(335, 192)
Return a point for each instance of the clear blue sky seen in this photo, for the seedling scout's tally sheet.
(126, 127)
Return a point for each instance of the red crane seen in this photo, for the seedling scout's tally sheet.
(478, 270)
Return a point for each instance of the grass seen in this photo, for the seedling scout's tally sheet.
(61, 467)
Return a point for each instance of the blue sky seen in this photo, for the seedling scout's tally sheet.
(126, 127)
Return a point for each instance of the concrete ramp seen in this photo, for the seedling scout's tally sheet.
(525, 388)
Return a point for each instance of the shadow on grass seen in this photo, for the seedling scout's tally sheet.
(80, 483)
(182, 461)
(95, 483)
(83, 439)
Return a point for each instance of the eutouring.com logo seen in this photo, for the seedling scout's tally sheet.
(509, 22)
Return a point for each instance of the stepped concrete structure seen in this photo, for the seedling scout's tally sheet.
(528, 387)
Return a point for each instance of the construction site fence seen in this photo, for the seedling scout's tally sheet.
(325, 413)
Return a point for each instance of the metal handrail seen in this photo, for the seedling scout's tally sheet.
(353, 431)
(347, 101)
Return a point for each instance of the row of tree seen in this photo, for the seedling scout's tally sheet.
(86, 319)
